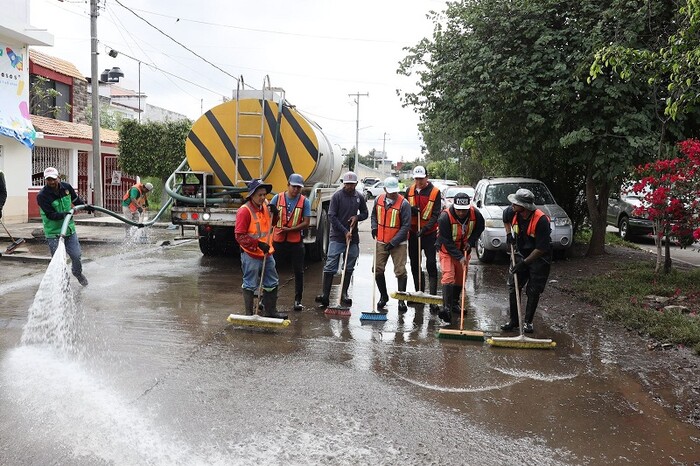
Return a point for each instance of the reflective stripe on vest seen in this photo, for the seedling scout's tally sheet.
(259, 229)
(425, 210)
(536, 215)
(388, 218)
(460, 232)
(294, 220)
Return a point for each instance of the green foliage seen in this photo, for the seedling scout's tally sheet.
(108, 119)
(621, 294)
(42, 98)
(504, 83)
(673, 68)
(152, 149)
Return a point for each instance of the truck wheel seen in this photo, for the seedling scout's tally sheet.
(483, 254)
(207, 243)
(317, 251)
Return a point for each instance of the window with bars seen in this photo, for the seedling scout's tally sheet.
(43, 157)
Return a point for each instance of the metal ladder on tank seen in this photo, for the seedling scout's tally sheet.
(275, 94)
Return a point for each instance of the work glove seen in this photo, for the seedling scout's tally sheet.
(264, 247)
(415, 210)
(139, 210)
(374, 233)
(273, 209)
(517, 267)
(510, 238)
(89, 209)
(421, 232)
(468, 250)
(388, 247)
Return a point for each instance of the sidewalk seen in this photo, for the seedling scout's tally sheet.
(103, 229)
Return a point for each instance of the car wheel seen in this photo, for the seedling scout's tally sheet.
(483, 254)
(624, 227)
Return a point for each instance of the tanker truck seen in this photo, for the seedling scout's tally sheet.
(256, 134)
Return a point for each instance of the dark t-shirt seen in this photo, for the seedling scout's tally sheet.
(526, 244)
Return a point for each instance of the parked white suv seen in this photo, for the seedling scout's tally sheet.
(491, 198)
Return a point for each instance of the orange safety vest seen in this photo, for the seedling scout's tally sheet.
(460, 236)
(133, 206)
(295, 219)
(536, 215)
(388, 218)
(259, 228)
(425, 210)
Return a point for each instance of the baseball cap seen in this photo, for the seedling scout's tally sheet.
(51, 172)
(148, 186)
(350, 177)
(296, 179)
(391, 185)
(461, 201)
(419, 172)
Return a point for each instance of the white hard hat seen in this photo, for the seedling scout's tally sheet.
(391, 185)
(419, 172)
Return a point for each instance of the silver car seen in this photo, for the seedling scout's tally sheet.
(491, 198)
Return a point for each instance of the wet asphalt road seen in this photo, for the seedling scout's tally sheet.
(155, 375)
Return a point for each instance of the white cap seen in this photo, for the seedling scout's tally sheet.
(391, 185)
(148, 186)
(51, 173)
(350, 177)
(419, 172)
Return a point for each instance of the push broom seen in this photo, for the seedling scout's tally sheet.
(520, 341)
(256, 320)
(418, 296)
(462, 334)
(374, 315)
(15, 242)
(339, 310)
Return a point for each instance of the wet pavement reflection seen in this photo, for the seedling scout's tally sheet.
(162, 378)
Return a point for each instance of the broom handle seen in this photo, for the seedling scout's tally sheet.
(6, 231)
(374, 272)
(517, 290)
(420, 256)
(345, 266)
(464, 290)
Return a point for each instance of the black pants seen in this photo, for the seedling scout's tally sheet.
(427, 244)
(534, 276)
(294, 253)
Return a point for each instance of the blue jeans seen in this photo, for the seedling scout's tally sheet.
(335, 250)
(72, 249)
(252, 269)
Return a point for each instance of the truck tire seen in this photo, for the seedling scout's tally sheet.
(207, 243)
(218, 242)
(317, 250)
(483, 254)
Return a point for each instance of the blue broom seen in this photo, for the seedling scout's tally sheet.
(374, 315)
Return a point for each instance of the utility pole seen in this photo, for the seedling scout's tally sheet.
(96, 157)
(384, 150)
(357, 126)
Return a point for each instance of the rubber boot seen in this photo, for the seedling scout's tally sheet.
(248, 298)
(514, 322)
(383, 295)
(532, 300)
(344, 298)
(298, 290)
(447, 298)
(402, 281)
(432, 284)
(323, 299)
(456, 301)
(270, 304)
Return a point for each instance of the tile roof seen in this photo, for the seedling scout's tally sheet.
(55, 64)
(117, 91)
(66, 129)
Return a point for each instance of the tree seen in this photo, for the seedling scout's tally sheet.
(510, 78)
(675, 66)
(42, 99)
(152, 149)
(671, 190)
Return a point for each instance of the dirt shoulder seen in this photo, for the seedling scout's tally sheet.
(670, 374)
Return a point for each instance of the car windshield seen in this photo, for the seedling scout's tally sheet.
(497, 194)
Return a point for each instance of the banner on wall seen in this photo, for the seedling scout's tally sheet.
(14, 95)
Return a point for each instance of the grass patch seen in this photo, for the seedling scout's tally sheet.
(613, 239)
(621, 294)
